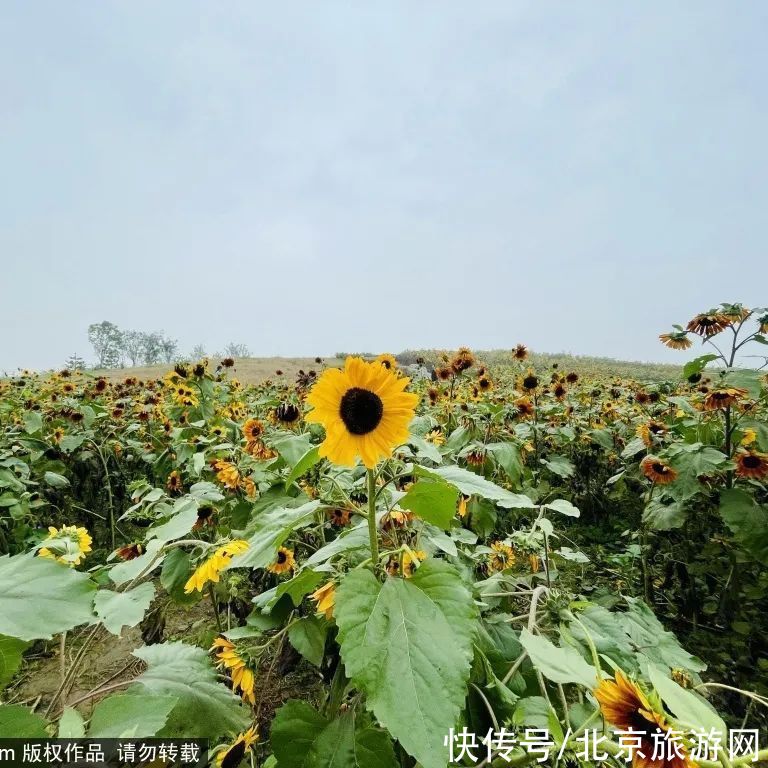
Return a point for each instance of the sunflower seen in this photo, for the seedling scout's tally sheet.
(559, 391)
(58, 434)
(227, 474)
(572, 377)
(723, 398)
(501, 557)
(253, 429)
(524, 407)
(650, 430)
(411, 558)
(174, 483)
(210, 570)
(284, 561)
(435, 436)
(388, 361)
(130, 551)
(763, 323)
(232, 755)
(462, 508)
(709, 323)
(752, 464)
(657, 470)
(463, 360)
(443, 373)
(325, 597)
(676, 339)
(287, 413)
(530, 381)
(484, 384)
(339, 516)
(364, 409)
(626, 707)
(229, 658)
(70, 545)
(520, 352)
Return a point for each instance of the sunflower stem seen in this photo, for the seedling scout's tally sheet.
(372, 532)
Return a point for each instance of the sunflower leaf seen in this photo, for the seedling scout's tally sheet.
(434, 502)
(62, 597)
(205, 707)
(407, 644)
(125, 714)
(123, 609)
(560, 665)
(471, 484)
(11, 650)
(302, 738)
(21, 723)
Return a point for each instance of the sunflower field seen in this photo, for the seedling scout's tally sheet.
(455, 562)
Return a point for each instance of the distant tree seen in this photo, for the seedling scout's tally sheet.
(152, 348)
(198, 352)
(107, 341)
(75, 363)
(168, 348)
(236, 350)
(133, 346)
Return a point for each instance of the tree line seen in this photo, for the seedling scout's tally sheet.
(114, 347)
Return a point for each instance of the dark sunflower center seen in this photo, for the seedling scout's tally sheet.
(751, 462)
(234, 755)
(281, 557)
(361, 410)
(659, 468)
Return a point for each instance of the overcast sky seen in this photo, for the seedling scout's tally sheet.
(313, 177)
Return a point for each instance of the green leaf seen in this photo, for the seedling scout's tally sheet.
(471, 484)
(71, 724)
(303, 465)
(137, 716)
(507, 456)
(205, 707)
(130, 569)
(425, 449)
(748, 522)
(21, 723)
(269, 531)
(33, 422)
(307, 636)
(62, 597)
(564, 507)
(302, 738)
(177, 568)
(55, 480)
(180, 523)
(750, 380)
(561, 466)
(434, 502)
(607, 634)
(123, 609)
(697, 365)
(650, 639)
(408, 645)
(560, 665)
(11, 650)
(299, 586)
(292, 448)
(691, 711)
(664, 517)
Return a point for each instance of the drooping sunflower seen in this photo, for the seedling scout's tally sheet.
(752, 464)
(68, 545)
(658, 471)
(524, 407)
(365, 411)
(501, 557)
(287, 413)
(210, 569)
(530, 381)
(130, 551)
(283, 562)
(626, 707)
(763, 323)
(232, 755)
(709, 323)
(174, 483)
(676, 339)
(227, 474)
(339, 516)
(649, 430)
(228, 657)
(520, 352)
(325, 597)
(722, 398)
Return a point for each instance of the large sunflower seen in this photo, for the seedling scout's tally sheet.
(364, 409)
(626, 707)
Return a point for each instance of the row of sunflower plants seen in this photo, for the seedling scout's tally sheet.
(415, 556)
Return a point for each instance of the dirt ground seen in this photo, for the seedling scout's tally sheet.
(248, 370)
(109, 662)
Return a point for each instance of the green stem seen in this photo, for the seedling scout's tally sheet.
(372, 532)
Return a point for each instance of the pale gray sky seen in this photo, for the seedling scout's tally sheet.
(314, 177)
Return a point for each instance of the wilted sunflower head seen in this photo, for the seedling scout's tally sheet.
(572, 377)
(762, 323)
(709, 323)
(443, 373)
(723, 398)
(365, 411)
(752, 464)
(530, 381)
(232, 755)
(287, 413)
(559, 391)
(463, 360)
(657, 470)
(520, 352)
(677, 339)
(501, 557)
